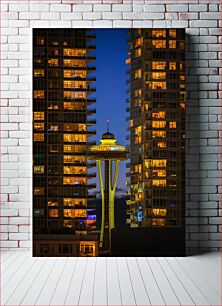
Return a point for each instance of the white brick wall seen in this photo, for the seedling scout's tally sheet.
(201, 19)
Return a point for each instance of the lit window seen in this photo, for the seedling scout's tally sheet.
(182, 77)
(159, 43)
(38, 190)
(172, 43)
(182, 86)
(87, 248)
(159, 163)
(161, 144)
(138, 42)
(128, 61)
(53, 213)
(74, 52)
(161, 183)
(74, 202)
(138, 130)
(158, 124)
(80, 213)
(158, 75)
(53, 128)
(172, 125)
(74, 95)
(53, 203)
(73, 148)
(38, 72)
(138, 93)
(75, 74)
(158, 65)
(53, 62)
(159, 33)
(68, 223)
(74, 127)
(74, 63)
(53, 106)
(74, 170)
(55, 43)
(158, 134)
(172, 65)
(40, 40)
(138, 168)
(39, 94)
(158, 85)
(159, 173)
(172, 33)
(74, 138)
(138, 52)
(70, 159)
(181, 66)
(182, 44)
(138, 74)
(159, 212)
(158, 222)
(39, 169)
(70, 180)
(182, 105)
(75, 84)
(38, 126)
(74, 106)
(69, 213)
(38, 137)
(159, 115)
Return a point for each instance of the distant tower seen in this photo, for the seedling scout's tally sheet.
(111, 153)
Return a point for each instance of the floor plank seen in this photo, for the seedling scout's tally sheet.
(10, 262)
(190, 286)
(166, 289)
(113, 284)
(100, 283)
(140, 291)
(152, 288)
(206, 272)
(180, 291)
(86, 294)
(12, 270)
(48, 290)
(4, 255)
(63, 285)
(208, 292)
(38, 284)
(126, 289)
(73, 294)
(9, 287)
(23, 287)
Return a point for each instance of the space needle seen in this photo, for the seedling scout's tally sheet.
(109, 153)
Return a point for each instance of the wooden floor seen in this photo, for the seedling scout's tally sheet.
(193, 280)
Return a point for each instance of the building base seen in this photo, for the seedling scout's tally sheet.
(148, 242)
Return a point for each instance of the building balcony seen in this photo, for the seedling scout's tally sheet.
(91, 122)
(91, 165)
(91, 175)
(91, 111)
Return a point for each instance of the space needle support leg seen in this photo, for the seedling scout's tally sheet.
(112, 189)
(103, 202)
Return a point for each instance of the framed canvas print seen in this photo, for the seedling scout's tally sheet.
(109, 142)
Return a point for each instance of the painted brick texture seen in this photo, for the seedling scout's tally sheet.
(201, 19)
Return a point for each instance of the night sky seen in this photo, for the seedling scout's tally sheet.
(111, 53)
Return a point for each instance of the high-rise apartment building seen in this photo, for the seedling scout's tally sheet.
(62, 86)
(156, 107)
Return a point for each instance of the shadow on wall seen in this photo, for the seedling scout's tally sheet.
(192, 147)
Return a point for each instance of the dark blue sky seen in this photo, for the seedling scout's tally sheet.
(111, 52)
